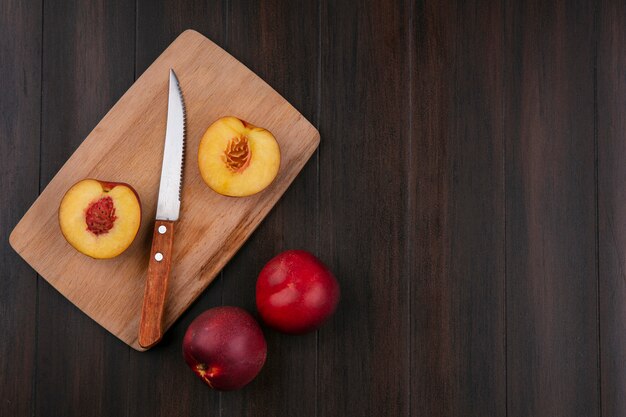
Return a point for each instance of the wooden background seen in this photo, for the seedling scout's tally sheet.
(469, 193)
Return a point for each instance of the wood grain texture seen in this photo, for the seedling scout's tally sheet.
(158, 23)
(447, 254)
(280, 43)
(457, 281)
(363, 352)
(611, 140)
(127, 146)
(552, 321)
(87, 65)
(20, 116)
(157, 279)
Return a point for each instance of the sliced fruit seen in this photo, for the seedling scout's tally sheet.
(238, 159)
(100, 219)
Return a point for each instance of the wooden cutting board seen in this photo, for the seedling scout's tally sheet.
(127, 146)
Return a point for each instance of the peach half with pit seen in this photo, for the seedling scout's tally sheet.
(100, 219)
(238, 159)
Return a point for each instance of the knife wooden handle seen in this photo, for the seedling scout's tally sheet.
(151, 324)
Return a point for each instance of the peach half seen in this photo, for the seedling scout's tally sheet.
(238, 159)
(100, 219)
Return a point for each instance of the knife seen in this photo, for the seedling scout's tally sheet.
(168, 210)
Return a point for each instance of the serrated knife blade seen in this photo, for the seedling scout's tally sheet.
(168, 205)
(167, 213)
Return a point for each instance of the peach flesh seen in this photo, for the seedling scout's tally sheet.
(238, 159)
(100, 219)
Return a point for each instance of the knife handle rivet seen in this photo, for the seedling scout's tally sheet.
(158, 256)
(162, 229)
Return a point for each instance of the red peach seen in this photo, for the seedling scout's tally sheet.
(225, 347)
(296, 292)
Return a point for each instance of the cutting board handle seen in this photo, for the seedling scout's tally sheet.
(151, 323)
